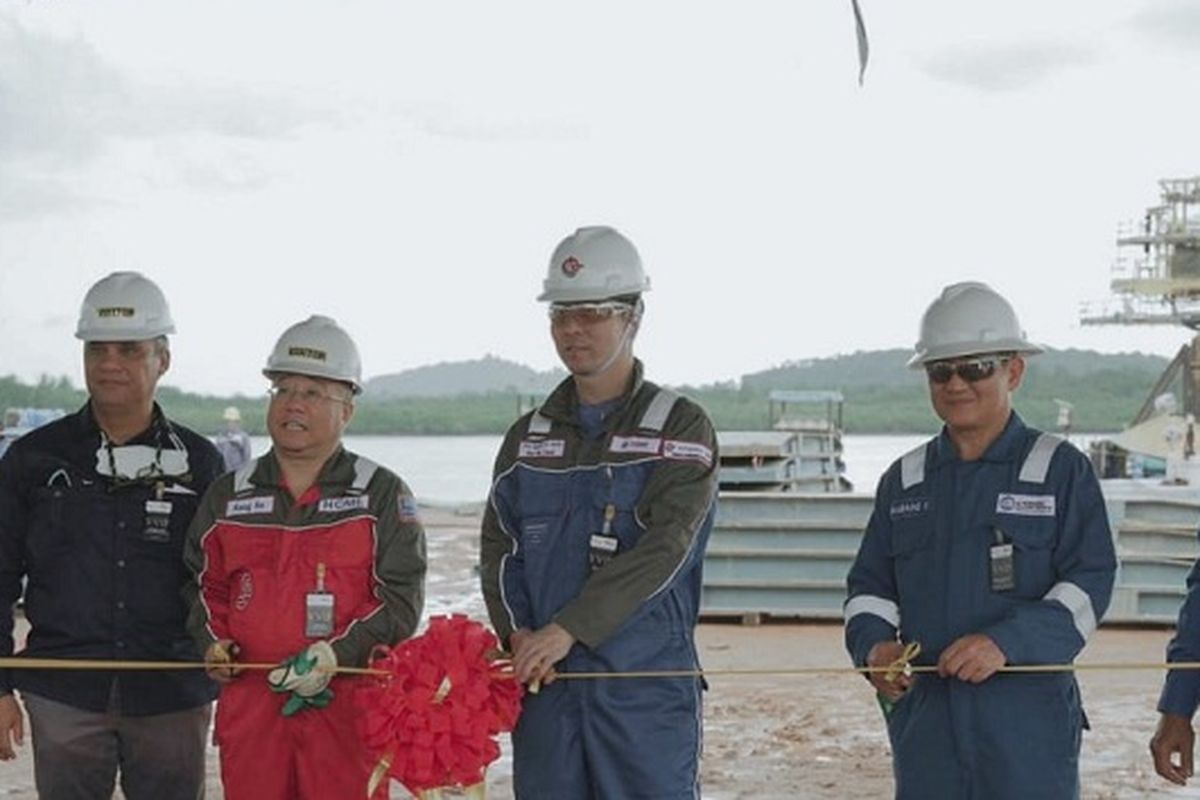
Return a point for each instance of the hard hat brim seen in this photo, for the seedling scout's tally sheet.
(964, 349)
(272, 374)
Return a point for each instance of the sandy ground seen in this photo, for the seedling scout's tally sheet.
(818, 737)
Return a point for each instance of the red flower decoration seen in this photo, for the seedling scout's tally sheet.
(434, 719)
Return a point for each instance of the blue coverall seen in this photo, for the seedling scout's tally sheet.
(1181, 690)
(561, 473)
(924, 572)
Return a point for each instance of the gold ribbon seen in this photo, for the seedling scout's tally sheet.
(903, 664)
(14, 662)
(20, 662)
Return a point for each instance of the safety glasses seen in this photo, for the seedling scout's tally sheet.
(971, 371)
(306, 396)
(587, 313)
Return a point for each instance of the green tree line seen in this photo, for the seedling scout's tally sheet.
(881, 397)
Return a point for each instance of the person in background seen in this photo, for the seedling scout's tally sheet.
(989, 546)
(233, 443)
(592, 546)
(311, 556)
(93, 511)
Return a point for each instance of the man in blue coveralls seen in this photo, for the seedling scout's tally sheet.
(592, 546)
(1174, 741)
(989, 546)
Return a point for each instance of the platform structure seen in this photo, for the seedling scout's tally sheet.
(786, 555)
(802, 451)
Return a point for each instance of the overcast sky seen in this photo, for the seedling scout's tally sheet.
(407, 169)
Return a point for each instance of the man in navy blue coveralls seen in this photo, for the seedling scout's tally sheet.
(1173, 742)
(592, 546)
(989, 546)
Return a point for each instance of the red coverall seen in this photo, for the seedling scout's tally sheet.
(255, 551)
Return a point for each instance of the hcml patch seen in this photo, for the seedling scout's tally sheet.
(335, 504)
(1025, 505)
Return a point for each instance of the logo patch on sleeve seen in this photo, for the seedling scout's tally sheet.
(909, 507)
(635, 444)
(1026, 505)
(542, 448)
(333, 505)
(249, 505)
(686, 451)
(407, 507)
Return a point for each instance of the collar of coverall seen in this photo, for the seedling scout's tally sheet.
(338, 470)
(1005, 448)
(562, 404)
(89, 427)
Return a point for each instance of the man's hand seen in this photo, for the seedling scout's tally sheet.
(883, 654)
(1174, 736)
(224, 651)
(536, 653)
(12, 727)
(972, 658)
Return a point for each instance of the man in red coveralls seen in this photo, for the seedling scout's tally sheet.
(308, 556)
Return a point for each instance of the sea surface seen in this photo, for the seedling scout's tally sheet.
(456, 470)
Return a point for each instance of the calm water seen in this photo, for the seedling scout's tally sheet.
(457, 469)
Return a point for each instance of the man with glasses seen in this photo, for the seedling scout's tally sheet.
(309, 556)
(592, 546)
(93, 511)
(988, 546)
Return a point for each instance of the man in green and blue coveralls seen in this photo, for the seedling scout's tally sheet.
(592, 546)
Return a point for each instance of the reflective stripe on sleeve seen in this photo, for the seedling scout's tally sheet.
(659, 409)
(1076, 601)
(539, 424)
(1037, 463)
(880, 607)
(912, 467)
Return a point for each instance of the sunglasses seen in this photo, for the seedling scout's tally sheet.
(972, 371)
(587, 313)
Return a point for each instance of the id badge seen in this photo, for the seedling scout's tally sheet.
(157, 524)
(601, 550)
(318, 615)
(1003, 576)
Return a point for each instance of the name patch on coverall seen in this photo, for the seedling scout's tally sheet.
(543, 448)
(1026, 505)
(911, 507)
(250, 505)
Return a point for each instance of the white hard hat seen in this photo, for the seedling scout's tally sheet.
(969, 318)
(231, 414)
(124, 307)
(319, 348)
(594, 263)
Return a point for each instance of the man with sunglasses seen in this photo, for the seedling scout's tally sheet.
(93, 511)
(592, 546)
(309, 556)
(989, 546)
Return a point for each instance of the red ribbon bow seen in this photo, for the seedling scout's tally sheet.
(434, 719)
